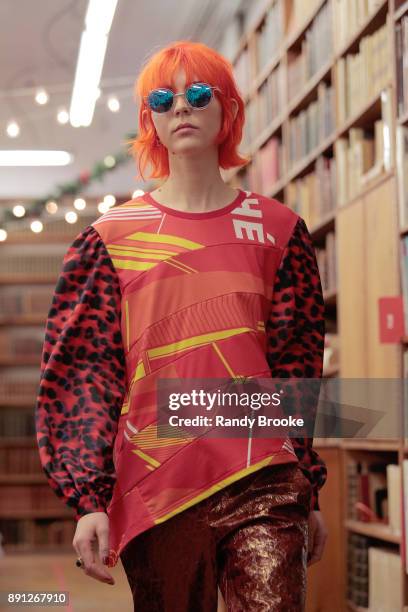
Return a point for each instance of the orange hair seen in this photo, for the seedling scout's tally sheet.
(198, 61)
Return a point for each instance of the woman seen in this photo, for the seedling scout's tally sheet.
(192, 280)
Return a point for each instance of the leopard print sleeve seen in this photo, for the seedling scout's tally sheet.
(295, 332)
(83, 378)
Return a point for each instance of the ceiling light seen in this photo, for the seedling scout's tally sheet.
(110, 200)
(51, 207)
(137, 193)
(19, 210)
(13, 129)
(36, 226)
(94, 40)
(71, 217)
(62, 116)
(109, 161)
(41, 97)
(113, 104)
(3, 235)
(79, 203)
(35, 158)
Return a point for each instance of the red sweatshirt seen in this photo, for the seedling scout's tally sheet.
(147, 292)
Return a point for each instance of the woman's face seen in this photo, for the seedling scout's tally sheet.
(206, 122)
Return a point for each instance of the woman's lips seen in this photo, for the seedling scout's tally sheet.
(185, 128)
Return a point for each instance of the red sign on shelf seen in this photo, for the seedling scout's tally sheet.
(391, 319)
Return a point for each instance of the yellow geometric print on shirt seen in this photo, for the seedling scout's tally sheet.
(139, 254)
(202, 339)
(165, 239)
(148, 439)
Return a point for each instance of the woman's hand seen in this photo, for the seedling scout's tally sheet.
(317, 537)
(91, 543)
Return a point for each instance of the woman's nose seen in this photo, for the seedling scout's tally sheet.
(180, 104)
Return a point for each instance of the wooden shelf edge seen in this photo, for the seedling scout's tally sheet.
(18, 441)
(309, 86)
(401, 11)
(373, 530)
(301, 165)
(381, 178)
(22, 320)
(361, 31)
(28, 280)
(293, 37)
(392, 445)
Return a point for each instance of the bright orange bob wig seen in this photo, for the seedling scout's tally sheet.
(201, 62)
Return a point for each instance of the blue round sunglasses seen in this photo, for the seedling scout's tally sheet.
(198, 96)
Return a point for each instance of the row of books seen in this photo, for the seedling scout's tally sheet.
(374, 578)
(374, 492)
(365, 154)
(269, 35)
(298, 11)
(312, 125)
(15, 423)
(402, 171)
(36, 534)
(271, 101)
(27, 300)
(360, 76)
(265, 169)
(280, 20)
(20, 460)
(242, 71)
(20, 342)
(19, 382)
(250, 131)
(401, 42)
(313, 196)
(34, 497)
(15, 263)
(349, 16)
(316, 50)
(327, 263)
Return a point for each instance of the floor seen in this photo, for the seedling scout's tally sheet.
(53, 572)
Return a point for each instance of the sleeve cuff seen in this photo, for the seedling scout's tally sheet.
(89, 504)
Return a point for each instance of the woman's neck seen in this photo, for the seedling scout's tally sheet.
(194, 184)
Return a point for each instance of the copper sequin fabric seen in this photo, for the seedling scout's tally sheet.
(250, 539)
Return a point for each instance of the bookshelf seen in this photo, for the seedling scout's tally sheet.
(32, 518)
(327, 133)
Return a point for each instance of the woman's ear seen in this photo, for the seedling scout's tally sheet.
(145, 119)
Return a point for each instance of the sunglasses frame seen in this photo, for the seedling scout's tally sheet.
(182, 93)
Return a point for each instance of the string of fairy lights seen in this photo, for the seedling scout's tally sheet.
(66, 202)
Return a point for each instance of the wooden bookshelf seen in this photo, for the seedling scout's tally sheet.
(374, 530)
(365, 226)
(30, 312)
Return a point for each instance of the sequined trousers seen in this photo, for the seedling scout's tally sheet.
(249, 539)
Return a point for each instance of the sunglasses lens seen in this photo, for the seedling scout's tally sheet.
(160, 100)
(199, 95)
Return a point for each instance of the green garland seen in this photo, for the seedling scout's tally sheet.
(73, 188)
